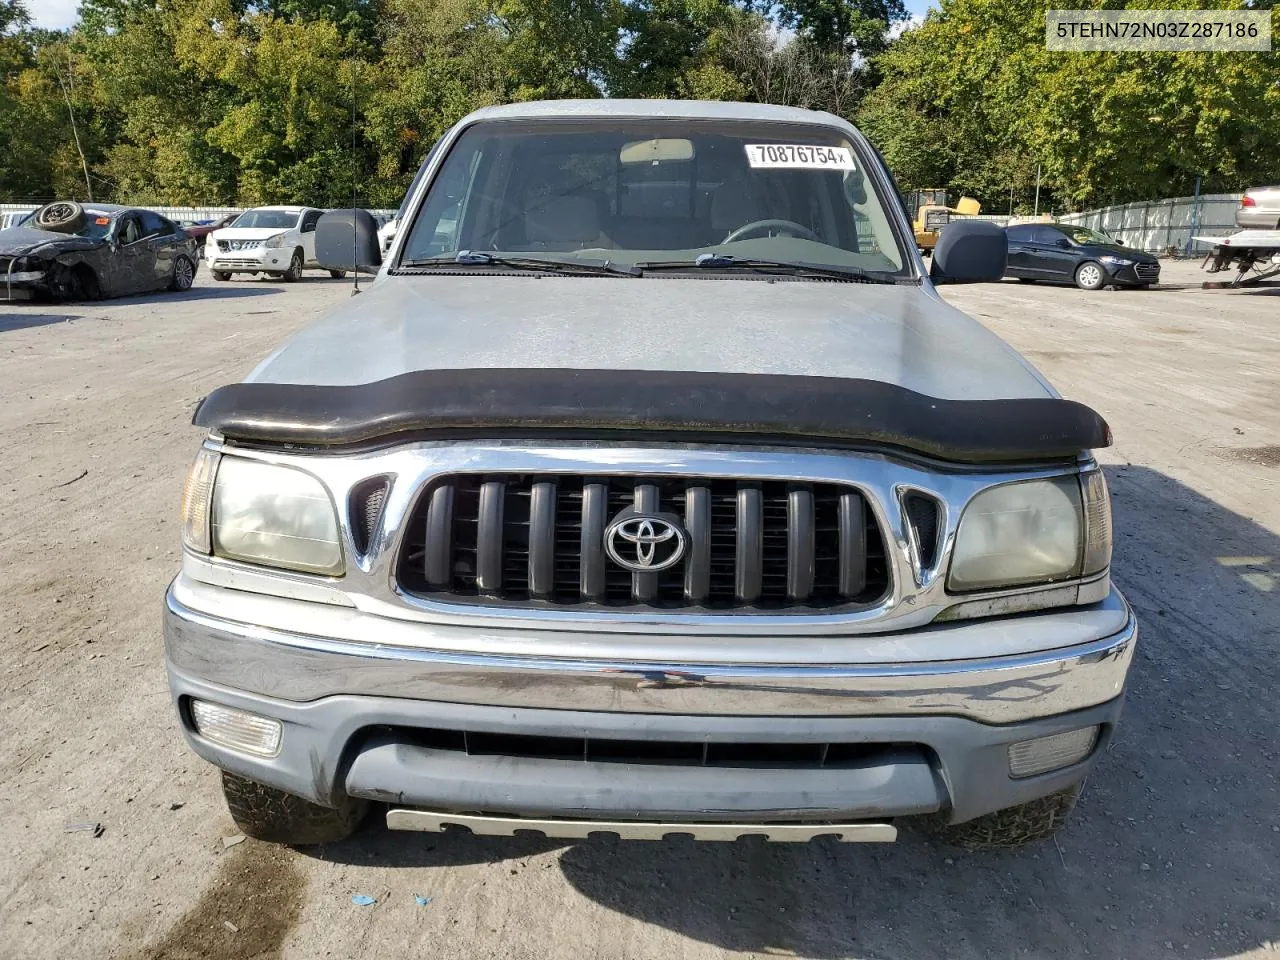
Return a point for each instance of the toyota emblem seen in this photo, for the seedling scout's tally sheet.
(644, 543)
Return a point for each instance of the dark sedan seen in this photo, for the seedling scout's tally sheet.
(1063, 253)
(67, 251)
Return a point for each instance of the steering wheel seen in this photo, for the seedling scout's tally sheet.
(789, 227)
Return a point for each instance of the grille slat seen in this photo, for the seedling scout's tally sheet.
(644, 586)
(591, 541)
(853, 544)
(529, 540)
(489, 536)
(697, 523)
(749, 545)
(542, 539)
(800, 544)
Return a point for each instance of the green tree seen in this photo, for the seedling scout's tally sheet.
(972, 100)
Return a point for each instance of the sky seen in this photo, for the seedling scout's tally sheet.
(60, 14)
(53, 14)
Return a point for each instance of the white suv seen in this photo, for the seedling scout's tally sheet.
(277, 241)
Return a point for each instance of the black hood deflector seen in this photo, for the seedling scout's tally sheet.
(675, 405)
(671, 405)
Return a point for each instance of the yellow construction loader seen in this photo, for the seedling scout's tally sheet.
(930, 213)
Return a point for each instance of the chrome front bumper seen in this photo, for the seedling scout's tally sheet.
(1081, 660)
(349, 711)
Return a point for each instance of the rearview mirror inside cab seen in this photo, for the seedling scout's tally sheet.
(969, 251)
(348, 240)
(658, 149)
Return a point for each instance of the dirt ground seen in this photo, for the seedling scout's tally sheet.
(1175, 851)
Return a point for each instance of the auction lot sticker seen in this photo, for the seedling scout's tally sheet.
(1171, 30)
(798, 156)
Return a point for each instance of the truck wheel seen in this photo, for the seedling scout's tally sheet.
(1014, 826)
(1090, 276)
(294, 273)
(221, 275)
(266, 813)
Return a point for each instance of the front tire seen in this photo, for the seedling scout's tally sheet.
(221, 275)
(266, 813)
(338, 274)
(1014, 826)
(294, 273)
(1090, 276)
(184, 274)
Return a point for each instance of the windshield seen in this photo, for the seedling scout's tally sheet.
(1084, 234)
(275, 219)
(97, 224)
(635, 191)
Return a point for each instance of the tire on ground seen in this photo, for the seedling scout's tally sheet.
(1014, 826)
(266, 813)
(60, 216)
(184, 273)
(338, 274)
(1090, 276)
(294, 273)
(220, 275)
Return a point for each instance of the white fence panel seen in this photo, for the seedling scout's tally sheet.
(1159, 226)
(178, 214)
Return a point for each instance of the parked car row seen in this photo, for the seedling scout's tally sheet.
(66, 250)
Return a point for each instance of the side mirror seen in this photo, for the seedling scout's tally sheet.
(1064, 243)
(969, 251)
(348, 240)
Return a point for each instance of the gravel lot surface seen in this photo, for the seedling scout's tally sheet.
(1174, 852)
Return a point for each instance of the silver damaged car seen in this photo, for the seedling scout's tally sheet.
(649, 489)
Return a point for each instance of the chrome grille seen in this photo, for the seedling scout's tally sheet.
(222, 263)
(1147, 271)
(528, 539)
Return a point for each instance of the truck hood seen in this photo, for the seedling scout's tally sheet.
(17, 241)
(899, 335)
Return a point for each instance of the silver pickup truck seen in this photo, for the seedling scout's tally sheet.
(650, 489)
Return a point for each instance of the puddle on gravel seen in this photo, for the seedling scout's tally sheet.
(257, 890)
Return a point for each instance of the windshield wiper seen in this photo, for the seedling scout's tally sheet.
(478, 258)
(724, 261)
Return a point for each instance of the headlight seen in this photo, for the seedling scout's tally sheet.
(276, 241)
(274, 515)
(23, 269)
(1018, 533)
(1115, 261)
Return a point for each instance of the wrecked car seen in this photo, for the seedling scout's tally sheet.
(650, 489)
(66, 251)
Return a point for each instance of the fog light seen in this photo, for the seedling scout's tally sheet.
(1030, 757)
(236, 729)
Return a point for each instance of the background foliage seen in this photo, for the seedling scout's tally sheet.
(250, 101)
